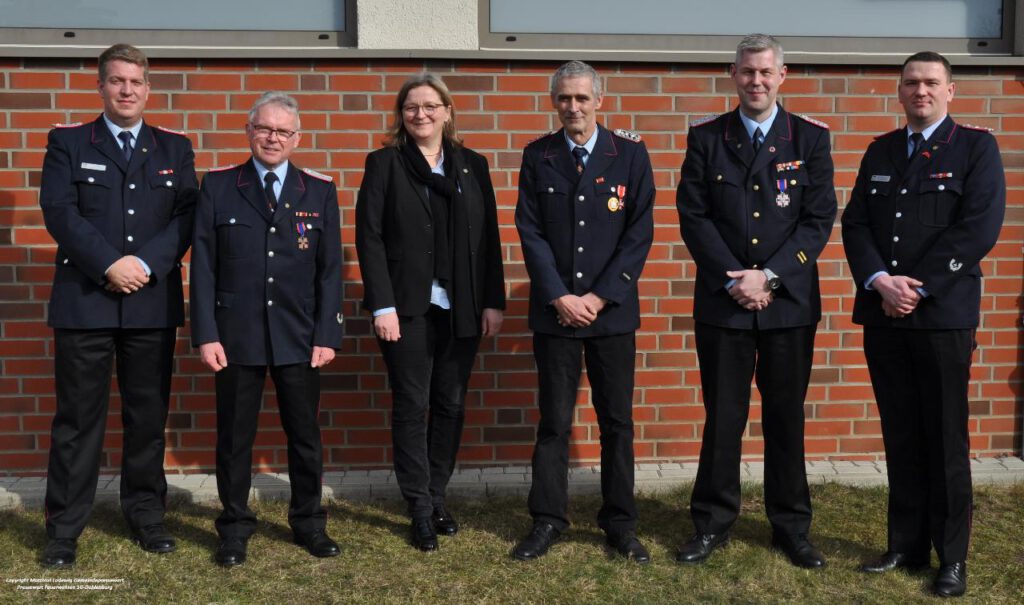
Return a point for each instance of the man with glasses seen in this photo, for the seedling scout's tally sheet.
(117, 196)
(266, 294)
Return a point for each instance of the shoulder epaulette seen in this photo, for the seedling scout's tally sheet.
(318, 175)
(178, 132)
(627, 134)
(71, 125)
(223, 168)
(704, 120)
(811, 120)
(546, 134)
(976, 127)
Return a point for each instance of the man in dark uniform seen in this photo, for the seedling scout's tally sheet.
(585, 221)
(266, 293)
(756, 205)
(117, 197)
(926, 208)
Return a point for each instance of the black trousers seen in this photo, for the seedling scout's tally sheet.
(83, 362)
(780, 361)
(920, 379)
(239, 397)
(428, 369)
(610, 361)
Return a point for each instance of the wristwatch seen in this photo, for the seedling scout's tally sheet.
(773, 280)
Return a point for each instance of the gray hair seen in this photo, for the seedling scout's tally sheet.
(756, 43)
(576, 69)
(282, 100)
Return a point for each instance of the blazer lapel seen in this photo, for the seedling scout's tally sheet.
(419, 188)
(145, 146)
(557, 154)
(934, 146)
(737, 141)
(292, 191)
(103, 141)
(604, 154)
(778, 138)
(252, 190)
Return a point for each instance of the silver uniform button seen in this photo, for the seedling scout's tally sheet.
(579, 274)
(894, 263)
(582, 223)
(309, 225)
(551, 189)
(581, 198)
(131, 186)
(874, 191)
(273, 229)
(270, 280)
(232, 221)
(903, 191)
(65, 261)
(270, 303)
(896, 238)
(91, 180)
(270, 254)
(942, 187)
(899, 215)
(131, 211)
(169, 183)
(580, 249)
(131, 239)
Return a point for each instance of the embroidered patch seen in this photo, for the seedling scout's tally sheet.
(177, 132)
(704, 120)
(318, 175)
(811, 120)
(627, 134)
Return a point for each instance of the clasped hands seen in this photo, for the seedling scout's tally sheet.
(751, 289)
(899, 294)
(212, 355)
(126, 275)
(578, 311)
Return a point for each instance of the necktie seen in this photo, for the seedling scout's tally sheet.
(917, 139)
(126, 148)
(579, 153)
(268, 188)
(756, 140)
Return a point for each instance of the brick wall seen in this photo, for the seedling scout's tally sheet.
(501, 106)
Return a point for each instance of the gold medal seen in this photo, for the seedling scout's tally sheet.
(613, 204)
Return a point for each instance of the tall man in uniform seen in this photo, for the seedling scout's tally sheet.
(926, 208)
(266, 294)
(117, 196)
(585, 221)
(756, 206)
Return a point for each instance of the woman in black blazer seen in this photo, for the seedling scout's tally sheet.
(430, 257)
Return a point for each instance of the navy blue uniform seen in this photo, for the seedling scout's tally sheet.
(583, 233)
(740, 209)
(933, 218)
(99, 207)
(267, 286)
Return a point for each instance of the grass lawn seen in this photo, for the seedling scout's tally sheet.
(377, 565)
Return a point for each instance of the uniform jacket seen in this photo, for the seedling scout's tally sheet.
(395, 242)
(98, 208)
(266, 286)
(586, 233)
(733, 215)
(933, 218)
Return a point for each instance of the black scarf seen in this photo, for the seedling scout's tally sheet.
(452, 266)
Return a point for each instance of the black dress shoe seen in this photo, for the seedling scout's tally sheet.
(444, 523)
(896, 560)
(231, 552)
(154, 538)
(59, 553)
(424, 537)
(536, 545)
(951, 581)
(628, 546)
(799, 550)
(318, 543)
(700, 547)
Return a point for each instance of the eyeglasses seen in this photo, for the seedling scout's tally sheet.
(265, 132)
(429, 110)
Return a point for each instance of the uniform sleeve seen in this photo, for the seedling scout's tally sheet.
(537, 253)
(798, 254)
(619, 276)
(163, 251)
(858, 241)
(373, 262)
(203, 270)
(58, 198)
(706, 245)
(975, 229)
(494, 268)
(328, 323)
